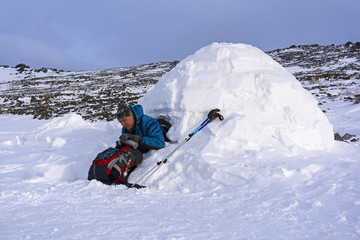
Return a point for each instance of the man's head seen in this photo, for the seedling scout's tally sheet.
(126, 116)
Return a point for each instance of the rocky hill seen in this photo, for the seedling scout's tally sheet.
(329, 72)
(94, 95)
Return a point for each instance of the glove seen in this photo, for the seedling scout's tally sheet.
(127, 137)
(118, 144)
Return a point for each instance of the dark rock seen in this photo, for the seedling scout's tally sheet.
(346, 138)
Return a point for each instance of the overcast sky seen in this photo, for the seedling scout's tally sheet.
(89, 34)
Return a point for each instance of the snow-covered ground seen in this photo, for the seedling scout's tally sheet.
(270, 170)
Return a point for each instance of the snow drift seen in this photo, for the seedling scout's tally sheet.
(266, 110)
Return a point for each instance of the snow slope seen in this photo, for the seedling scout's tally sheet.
(225, 183)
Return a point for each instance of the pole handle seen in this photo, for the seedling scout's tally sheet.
(213, 114)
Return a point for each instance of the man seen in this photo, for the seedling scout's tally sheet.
(140, 128)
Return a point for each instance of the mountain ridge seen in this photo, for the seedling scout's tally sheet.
(328, 72)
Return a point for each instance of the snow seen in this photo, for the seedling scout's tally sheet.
(11, 73)
(266, 110)
(270, 170)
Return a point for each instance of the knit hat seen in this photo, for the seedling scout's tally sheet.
(124, 110)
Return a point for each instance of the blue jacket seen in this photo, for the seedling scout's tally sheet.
(148, 128)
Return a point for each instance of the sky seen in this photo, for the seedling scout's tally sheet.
(89, 34)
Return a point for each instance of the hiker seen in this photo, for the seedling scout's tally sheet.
(140, 128)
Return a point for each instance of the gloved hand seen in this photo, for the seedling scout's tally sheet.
(127, 136)
(118, 144)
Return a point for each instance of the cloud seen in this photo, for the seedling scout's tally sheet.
(15, 49)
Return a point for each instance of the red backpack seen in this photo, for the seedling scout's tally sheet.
(113, 166)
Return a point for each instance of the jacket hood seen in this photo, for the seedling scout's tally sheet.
(138, 112)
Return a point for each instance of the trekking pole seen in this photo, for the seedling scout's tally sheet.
(213, 114)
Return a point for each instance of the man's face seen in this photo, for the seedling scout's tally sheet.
(128, 122)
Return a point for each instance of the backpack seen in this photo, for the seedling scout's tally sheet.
(113, 166)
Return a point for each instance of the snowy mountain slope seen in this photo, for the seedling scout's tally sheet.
(46, 93)
(216, 187)
(329, 72)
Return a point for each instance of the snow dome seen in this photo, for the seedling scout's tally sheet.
(263, 104)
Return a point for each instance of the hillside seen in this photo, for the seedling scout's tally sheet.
(328, 72)
(46, 93)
